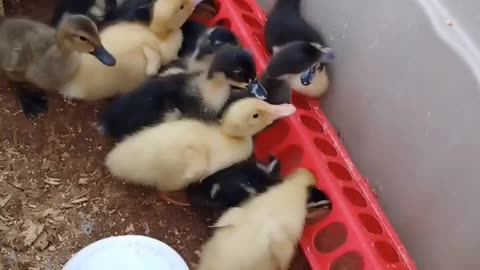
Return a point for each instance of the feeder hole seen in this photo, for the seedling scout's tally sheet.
(325, 147)
(311, 123)
(387, 252)
(355, 197)
(370, 224)
(331, 237)
(339, 171)
(348, 261)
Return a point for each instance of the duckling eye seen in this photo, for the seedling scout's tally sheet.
(255, 115)
(181, 7)
(236, 71)
(82, 38)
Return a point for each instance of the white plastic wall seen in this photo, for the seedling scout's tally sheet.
(406, 99)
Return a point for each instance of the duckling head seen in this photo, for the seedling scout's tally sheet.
(213, 39)
(235, 63)
(79, 33)
(248, 116)
(170, 15)
(299, 57)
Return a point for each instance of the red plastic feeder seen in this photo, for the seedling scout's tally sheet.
(356, 234)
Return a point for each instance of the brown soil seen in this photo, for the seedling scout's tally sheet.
(55, 194)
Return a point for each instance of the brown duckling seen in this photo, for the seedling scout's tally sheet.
(48, 58)
(140, 51)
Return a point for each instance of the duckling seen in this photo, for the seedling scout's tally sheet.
(198, 47)
(172, 155)
(194, 31)
(285, 24)
(264, 232)
(94, 9)
(195, 95)
(300, 65)
(140, 51)
(233, 185)
(48, 58)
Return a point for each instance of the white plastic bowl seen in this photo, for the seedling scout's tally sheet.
(126, 253)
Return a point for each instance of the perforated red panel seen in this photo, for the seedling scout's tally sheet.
(356, 234)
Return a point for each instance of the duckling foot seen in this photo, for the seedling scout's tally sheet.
(165, 197)
(33, 103)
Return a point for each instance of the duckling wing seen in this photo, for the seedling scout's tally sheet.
(144, 107)
(17, 60)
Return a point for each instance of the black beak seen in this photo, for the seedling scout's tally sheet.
(257, 90)
(308, 76)
(104, 56)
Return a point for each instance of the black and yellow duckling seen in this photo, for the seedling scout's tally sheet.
(299, 65)
(286, 25)
(234, 185)
(200, 95)
(262, 233)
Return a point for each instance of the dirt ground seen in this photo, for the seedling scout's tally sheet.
(56, 195)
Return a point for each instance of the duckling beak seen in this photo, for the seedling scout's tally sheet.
(257, 90)
(308, 76)
(238, 84)
(104, 56)
(282, 110)
(327, 55)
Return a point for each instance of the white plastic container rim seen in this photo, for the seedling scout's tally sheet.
(126, 253)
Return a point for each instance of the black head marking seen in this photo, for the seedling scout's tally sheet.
(294, 58)
(236, 63)
(214, 39)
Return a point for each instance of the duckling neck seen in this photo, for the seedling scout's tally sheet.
(159, 29)
(213, 91)
(234, 133)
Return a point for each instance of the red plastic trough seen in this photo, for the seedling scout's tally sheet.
(356, 234)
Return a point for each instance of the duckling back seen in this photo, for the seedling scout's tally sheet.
(233, 185)
(172, 155)
(137, 52)
(285, 25)
(264, 232)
